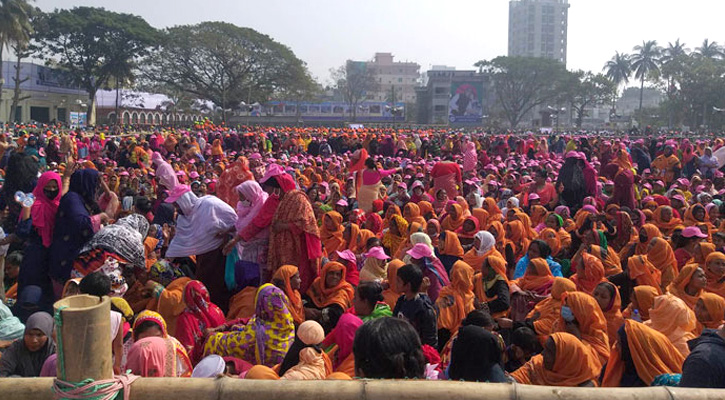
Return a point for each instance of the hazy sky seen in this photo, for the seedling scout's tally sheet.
(325, 33)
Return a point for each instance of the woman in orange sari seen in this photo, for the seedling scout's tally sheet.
(552, 239)
(689, 284)
(641, 300)
(396, 234)
(664, 219)
(566, 361)
(455, 301)
(660, 254)
(449, 249)
(351, 236)
(287, 278)
(709, 311)
(498, 231)
(589, 273)
(329, 296)
(411, 213)
(639, 247)
(646, 355)
(696, 215)
(362, 240)
(516, 235)
(702, 250)
(426, 210)
(670, 316)
(610, 302)
(392, 293)
(533, 287)
(494, 213)
(547, 311)
(454, 218)
(538, 215)
(331, 233)
(715, 273)
(491, 286)
(482, 216)
(483, 247)
(580, 313)
(609, 258)
(529, 231)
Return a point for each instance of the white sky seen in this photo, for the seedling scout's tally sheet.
(325, 33)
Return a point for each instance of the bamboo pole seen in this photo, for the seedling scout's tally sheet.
(228, 388)
(86, 336)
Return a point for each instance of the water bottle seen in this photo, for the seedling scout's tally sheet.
(25, 199)
(636, 316)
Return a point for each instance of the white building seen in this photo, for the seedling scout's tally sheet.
(396, 80)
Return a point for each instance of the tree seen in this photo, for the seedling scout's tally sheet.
(522, 83)
(354, 80)
(709, 49)
(586, 90)
(15, 28)
(225, 64)
(21, 51)
(618, 69)
(645, 63)
(673, 60)
(94, 45)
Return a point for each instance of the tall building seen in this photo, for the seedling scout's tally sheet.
(538, 28)
(396, 80)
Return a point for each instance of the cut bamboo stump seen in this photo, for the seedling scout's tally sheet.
(86, 336)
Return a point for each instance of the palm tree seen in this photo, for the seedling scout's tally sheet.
(673, 59)
(618, 69)
(709, 49)
(15, 26)
(645, 63)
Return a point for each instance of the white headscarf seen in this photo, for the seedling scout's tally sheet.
(256, 198)
(197, 228)
(487, 242)
(420, 237)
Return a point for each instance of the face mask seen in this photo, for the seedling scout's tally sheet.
(567, 314)
(51, 194)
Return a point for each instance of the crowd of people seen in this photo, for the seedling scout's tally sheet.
(338, 253)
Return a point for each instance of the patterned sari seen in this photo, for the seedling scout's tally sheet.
(265, 339)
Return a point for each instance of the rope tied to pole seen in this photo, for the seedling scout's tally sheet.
(88, 389)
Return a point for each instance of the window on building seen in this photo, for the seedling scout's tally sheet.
(439, 108)
(440, 90)
(61, 115)
(400, 80)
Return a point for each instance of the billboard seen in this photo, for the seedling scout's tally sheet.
(77, 119)
(465, 105)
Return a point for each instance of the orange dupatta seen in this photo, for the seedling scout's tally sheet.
(450, 224)
(552, 239)
(494, 213)
(663, 258)
(715, 281)
(295, 307)
(411, 213)
(575, 364)
(715, 305)
(593, 274)
(549, 309)
(537, 278)
(498, 265)
(644, 295)
(392, 293)
(670, 316)
(323, 296)
(666, 227)
(451, 245)
(455, 301)
(592, 324)
(679, 285)
(332, 239)
(644, 273)
(482, 216)
(651, 352)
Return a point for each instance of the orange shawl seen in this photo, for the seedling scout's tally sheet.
(451, 245)
(494, 213)
(651, 352)
(295, 306)
(529, 231)
(411, 213)
(593, 274)
(498, 265)
(574, 364)
(537, 278)
(323, 296)
(241, 305)
(498, 231)
(715, 281)
(332, 239)
(365, 235)
(549, 309)
(552, 239)
(482, 216)
(455, 301)
(592, 324)
(392, 293)
(451, 224)
(613, 314)
(472, 258)
(689, 217)
(670, 316)
(644, 273)
(609, 258)
(665, 227)
(663, 258)
(352, 243)
(678, 286)
(425, 208)
(517, 238)
(171, 302)
(715, 306)
(644, 295)
(538, 214)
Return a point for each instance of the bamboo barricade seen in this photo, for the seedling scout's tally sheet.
(228, 388)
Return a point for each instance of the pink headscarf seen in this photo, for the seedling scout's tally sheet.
(256, 198)
(43, 209)
(343, 335)
(147, 357)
